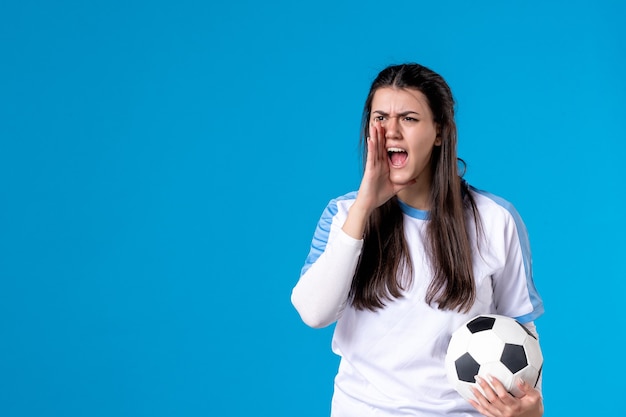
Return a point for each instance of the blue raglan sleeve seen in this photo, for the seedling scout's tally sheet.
(514, 288)
(322, 290)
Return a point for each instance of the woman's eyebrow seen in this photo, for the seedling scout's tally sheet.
(404, 113)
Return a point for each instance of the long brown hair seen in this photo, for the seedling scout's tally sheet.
(385, 269)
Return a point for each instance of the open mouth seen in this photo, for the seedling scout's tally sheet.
(397, 156)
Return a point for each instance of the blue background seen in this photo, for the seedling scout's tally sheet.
(163, 166)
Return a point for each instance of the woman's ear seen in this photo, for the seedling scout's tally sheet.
(438, 137)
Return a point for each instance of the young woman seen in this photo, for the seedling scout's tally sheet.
(411, 256)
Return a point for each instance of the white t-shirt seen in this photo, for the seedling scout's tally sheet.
(392, 359)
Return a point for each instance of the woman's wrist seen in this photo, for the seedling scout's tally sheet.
(356, 221)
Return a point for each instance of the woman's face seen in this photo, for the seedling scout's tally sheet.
(410, 133)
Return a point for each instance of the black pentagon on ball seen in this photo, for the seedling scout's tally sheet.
(514, 357)
(466, 368)
(480, 324)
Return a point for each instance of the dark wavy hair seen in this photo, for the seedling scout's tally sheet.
(385, 269)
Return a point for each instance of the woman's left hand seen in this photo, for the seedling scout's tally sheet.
(498, 402)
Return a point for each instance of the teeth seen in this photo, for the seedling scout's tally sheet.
(395, 150)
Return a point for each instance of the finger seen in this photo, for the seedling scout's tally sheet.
(372, 145)
(370, 151)
(375, 142)
(524, 387)
(481, 403)
(527, 390)
(530, 396)
(382, 144)
(488, 391)
(498, 387)
(500, 390)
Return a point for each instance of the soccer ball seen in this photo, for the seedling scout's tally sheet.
(494, 345)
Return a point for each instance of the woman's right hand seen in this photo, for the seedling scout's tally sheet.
(376, 186)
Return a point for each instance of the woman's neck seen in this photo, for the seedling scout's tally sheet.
(416, 196)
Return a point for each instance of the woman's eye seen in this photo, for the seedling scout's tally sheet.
(379, 118)
(410, 119)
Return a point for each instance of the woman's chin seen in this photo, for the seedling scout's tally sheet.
(399, 179)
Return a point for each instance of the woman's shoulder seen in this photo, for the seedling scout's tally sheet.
(495, 209)
(350, 196)
(338, 205)
(342, 201)
(486, 200)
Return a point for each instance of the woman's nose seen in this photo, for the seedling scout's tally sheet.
(391, 127)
